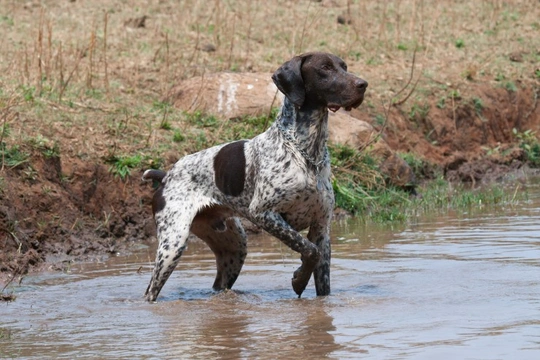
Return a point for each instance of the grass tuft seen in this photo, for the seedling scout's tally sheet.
(530, 144)
(12, 156)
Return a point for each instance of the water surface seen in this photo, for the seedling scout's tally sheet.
(447, 287)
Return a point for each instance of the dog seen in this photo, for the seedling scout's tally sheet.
(279, 180)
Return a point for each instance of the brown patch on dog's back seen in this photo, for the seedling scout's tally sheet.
(230, 168)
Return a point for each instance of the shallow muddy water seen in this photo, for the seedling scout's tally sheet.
(447, 287)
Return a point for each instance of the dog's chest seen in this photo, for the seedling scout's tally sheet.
(280, 180)
(306, 202)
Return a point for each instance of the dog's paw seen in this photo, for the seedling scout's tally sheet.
(300, 280)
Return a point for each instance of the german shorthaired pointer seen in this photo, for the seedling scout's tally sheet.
(279, 180)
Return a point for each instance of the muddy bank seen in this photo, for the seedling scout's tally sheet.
(59, 210)
(54, 210)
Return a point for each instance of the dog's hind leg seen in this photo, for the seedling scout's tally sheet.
(226, 238)
(173, 221)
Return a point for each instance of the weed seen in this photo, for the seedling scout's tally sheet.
(28, 92)
(416, 164)
(478, 105)
(5, 130)
(7, 20)
(121, 166)
(178, 136)
(460, 43)
(402, 47)
(373, 61)
(442, 196)
(94, 93)
(380, 119)
(441, 104)
(537, 73)
(201, 142)
(455, 94)
(45, 146)
(356, 55)
(249, 126)
(529, 142)
(51, 152)
(161, 106)
(30, 174)
(355, 178)
(199, 119)
(492, 151)
(510, 86)
(419, 112)
(165, 125)
(12, 157)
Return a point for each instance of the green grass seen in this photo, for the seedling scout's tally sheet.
(48, 148)
(437, 197)
(529, 143)
(12, 156)
(510, 86)
(122, 166)
(359, 188)
(178, 136)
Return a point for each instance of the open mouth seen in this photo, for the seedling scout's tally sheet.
(334, 108)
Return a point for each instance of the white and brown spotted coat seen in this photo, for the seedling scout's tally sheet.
(279, 180)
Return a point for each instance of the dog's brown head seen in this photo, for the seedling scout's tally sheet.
(319, 79)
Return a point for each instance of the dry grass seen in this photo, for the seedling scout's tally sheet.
(83, 76)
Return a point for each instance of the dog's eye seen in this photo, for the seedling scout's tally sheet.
(326, 67)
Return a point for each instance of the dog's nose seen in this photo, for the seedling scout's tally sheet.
(361, 84)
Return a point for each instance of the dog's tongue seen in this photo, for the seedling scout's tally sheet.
(333, 108)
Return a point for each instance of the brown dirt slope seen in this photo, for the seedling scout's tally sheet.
(468, 131)
(67, 210)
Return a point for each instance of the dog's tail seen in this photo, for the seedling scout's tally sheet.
(154, 175)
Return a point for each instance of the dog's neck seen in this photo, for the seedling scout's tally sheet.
(308, 127)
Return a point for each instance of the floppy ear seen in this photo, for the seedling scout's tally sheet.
(288, 79)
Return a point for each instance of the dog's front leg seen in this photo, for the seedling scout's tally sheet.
(275, 225)
(319, 235)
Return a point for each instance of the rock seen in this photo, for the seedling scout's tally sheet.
(136, 23)
(208, 47)
(395, 169)
(227, 95)
(347, 130)
(516, 56)
(344, 20)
